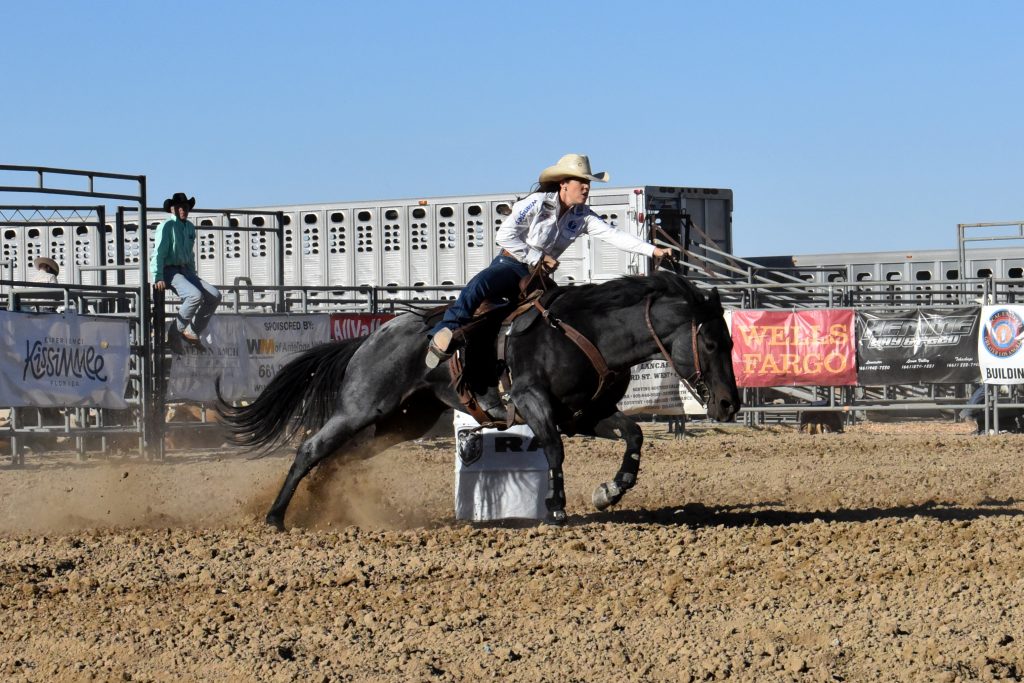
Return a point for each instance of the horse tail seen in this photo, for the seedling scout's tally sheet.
(301, 396)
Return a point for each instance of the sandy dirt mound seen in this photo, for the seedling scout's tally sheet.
(890, 552)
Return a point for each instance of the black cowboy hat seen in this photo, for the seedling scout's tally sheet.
(179, 199)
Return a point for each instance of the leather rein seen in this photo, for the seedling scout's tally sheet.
(695, 330)
(604, 374)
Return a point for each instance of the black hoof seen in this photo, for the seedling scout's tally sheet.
(556, 518)
(275, 522)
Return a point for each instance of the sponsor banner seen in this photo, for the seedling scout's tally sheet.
(1001, 344)
(245, 352)
(50, 360)
(917, 345)
(655, 388)
(775, 348)
(353, 325)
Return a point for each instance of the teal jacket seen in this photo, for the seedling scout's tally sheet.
(173, 245)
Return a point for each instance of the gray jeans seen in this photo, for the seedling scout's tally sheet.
(199, 299)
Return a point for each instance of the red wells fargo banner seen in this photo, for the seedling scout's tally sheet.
(790, 348)
(352, 325)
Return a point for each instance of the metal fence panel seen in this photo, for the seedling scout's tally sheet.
(340, 247)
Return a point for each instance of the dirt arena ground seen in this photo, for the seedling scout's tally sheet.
(890, 552)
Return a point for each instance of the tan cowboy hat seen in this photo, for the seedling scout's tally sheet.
(572, 166)
(48, 262)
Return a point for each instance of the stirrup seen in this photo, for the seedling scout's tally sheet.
(437, 350)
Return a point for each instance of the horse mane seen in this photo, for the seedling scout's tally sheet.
(630, 290)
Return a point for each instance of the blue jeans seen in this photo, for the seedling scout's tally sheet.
(500, 280)
(199, 299)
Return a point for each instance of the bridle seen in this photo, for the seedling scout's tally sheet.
(698, 375)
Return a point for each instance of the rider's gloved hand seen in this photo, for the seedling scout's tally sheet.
(548, 264)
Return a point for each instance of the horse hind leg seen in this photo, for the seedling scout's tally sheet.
(337, 431)
(619, 426)
(411, 420)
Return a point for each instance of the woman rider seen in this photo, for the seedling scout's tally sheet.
(541, 226)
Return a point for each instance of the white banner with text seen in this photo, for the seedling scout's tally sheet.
(245, 352)
(52, 360)
(655, 388)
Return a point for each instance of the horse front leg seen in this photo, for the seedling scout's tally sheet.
(618, 426)
(535, 407)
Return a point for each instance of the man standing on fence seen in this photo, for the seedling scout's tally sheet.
(173, 264)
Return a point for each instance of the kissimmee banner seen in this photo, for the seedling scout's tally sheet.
(775, 348)
(917, 345)
(655, 388)
(51, 360)
(245, 352)
(1001, 344)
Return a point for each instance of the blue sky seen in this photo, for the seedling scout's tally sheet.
(855, 126)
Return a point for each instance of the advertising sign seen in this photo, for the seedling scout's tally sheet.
(51, 360)
(655, 388)
(245, 352)
(1000, 343)
(774, 348)
(353, 325)
(917, 346)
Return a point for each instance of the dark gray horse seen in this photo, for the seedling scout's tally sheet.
(341, 390)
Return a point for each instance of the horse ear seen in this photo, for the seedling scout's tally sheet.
(715, 298)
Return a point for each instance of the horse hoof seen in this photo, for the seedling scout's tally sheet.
(556, 518)
(606, 495)
(275, 523)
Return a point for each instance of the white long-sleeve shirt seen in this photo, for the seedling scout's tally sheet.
(535, 228)
(39, 275)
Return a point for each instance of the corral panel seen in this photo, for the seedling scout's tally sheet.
(133, 251)
(292, 250)
(260, 246)
(312, 243)
(449, 239)
(86, 240)
(12, 250)
(395, 246)
(368, 244)
(422, 250)
(477, 244)
(1013, 268)
(923, 274)
(209, 248)
(982, 268)
(234, 244)
(48, 241)
(340, 251)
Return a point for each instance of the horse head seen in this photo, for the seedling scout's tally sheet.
(705, 345)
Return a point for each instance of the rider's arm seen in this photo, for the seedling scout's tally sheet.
(618, 238)
(161, 245)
